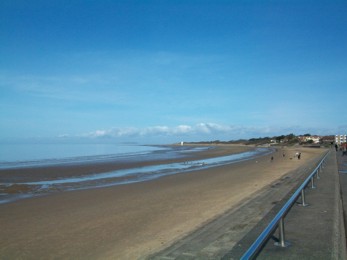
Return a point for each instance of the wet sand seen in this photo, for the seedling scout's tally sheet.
(134, 220)
(63, 171)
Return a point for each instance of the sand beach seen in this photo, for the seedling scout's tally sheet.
(134, 220)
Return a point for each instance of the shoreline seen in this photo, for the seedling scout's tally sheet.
(134, 220)
(20, 183)
(75, 169)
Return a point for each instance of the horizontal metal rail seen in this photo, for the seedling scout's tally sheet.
(278, 220)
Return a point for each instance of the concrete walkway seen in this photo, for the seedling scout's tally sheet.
(342, 167)
(314, 232)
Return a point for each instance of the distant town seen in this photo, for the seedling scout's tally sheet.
(290, 139)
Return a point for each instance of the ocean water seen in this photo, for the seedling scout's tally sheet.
(18, 155)
(44, 154)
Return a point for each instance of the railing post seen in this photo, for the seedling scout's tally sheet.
(323, 163)
(281, 242)
(312, 183)
(303, 203)
(319, 169)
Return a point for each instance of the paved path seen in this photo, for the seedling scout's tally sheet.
(342, 167)
(315, 232)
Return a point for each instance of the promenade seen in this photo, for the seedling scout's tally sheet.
(316, 231)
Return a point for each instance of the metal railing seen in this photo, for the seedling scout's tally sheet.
(278, 220)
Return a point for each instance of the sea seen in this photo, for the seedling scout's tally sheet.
(15, 156)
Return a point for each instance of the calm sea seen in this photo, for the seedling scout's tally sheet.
(40, 154)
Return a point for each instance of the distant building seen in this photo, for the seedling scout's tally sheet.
(314, 138)
(328, 139)
(339, 139)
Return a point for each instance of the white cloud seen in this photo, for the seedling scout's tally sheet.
(183, 129)
(114, 132)
(209, 128)
(203, 131)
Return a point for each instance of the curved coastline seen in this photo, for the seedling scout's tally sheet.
(27, 182)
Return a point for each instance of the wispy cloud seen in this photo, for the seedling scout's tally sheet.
(109, 75)
(209, 131)
(147, 131)
(79, 88)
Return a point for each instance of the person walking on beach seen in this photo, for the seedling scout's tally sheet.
(299, 156)
(272, 158)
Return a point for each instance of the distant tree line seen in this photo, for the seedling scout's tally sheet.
(289, 139)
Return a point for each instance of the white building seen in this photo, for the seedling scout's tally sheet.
(339, 139)
(314, 138)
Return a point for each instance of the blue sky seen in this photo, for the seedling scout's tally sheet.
(172, 70)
